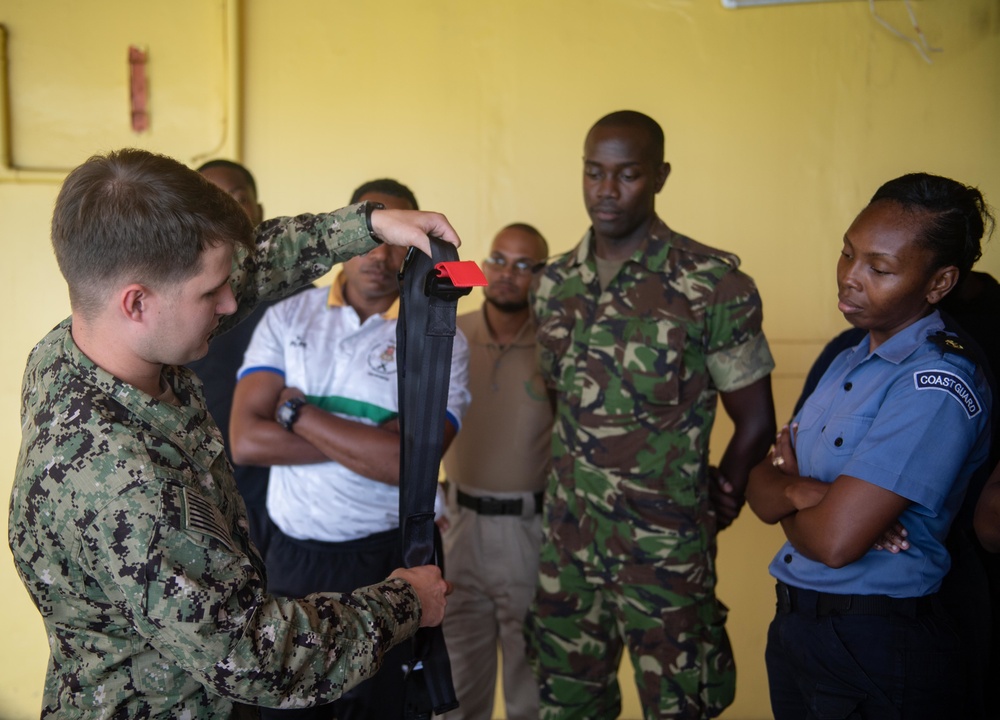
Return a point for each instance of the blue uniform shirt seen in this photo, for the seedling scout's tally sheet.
(911, 418)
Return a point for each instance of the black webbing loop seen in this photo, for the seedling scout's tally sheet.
(425, 333)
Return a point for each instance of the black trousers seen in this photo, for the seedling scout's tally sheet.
(827, 664)
(296, 568)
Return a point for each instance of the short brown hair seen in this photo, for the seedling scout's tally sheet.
(138, 214)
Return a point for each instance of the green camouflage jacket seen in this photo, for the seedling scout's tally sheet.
(129, 534)
(637, 368)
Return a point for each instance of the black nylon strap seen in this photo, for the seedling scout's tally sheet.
(425, 334)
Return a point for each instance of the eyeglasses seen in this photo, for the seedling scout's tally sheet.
(519, 267)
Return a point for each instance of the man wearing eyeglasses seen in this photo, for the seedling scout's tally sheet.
(496, 470)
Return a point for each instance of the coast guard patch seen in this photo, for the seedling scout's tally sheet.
(951, 384)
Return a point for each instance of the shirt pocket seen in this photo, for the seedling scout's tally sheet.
(808, 418)
(650, 356)
(555, 338)
(842, 434)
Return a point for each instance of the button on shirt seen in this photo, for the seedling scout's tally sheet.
(346, 367)
(910, 418)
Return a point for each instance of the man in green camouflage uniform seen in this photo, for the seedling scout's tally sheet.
(640, 330)
(125, 522)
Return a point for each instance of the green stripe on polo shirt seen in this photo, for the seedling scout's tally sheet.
(352, 408)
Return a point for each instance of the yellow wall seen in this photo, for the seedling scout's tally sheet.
(780, 121)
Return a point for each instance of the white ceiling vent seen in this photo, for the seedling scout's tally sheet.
(918, 41)
(751, 3)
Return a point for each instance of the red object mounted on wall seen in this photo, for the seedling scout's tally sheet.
(138, 89)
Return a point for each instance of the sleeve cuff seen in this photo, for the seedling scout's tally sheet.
(405, 604)
(738, 367)
(369, 207)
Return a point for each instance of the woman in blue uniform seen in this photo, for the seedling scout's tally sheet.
(888, 440)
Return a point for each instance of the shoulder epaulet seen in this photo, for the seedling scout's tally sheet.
(950, 343)
(693, 247)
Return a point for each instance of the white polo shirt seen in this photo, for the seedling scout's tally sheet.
(318, 344)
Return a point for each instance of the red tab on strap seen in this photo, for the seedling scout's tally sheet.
(462, 273)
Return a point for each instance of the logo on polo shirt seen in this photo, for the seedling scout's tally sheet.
(951, 384)
(383, 360)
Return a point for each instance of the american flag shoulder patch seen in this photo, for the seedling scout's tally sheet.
(203, 516)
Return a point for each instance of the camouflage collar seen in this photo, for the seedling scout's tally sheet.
(651, 253)
(184, 425)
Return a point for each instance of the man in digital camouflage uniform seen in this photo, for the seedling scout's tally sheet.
(640, 330)
(125, 522)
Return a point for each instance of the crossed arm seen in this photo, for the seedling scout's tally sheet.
(318, 436)
(833, 523)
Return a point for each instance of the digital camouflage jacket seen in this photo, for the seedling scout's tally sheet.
(128, 532)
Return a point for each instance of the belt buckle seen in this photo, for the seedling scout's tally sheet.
(500, 506)
(833, 604)
(488, 505)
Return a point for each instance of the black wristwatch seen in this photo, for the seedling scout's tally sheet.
(288, 412)
(369, 207)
